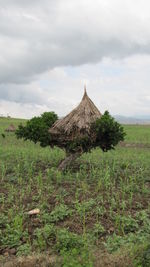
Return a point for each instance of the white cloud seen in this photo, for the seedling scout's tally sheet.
(49, 48)
(113, 85)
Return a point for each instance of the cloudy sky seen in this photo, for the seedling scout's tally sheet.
(50, 48)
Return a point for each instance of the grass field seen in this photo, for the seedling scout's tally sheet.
(138, 133)
(97, 214)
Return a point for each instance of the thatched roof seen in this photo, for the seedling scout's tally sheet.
(77, 123)
(11, 128)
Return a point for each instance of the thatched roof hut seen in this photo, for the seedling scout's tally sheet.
(11, 128)
(77, 123)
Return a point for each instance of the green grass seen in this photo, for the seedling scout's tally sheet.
(5, 122)
(101, 205)
(138, 133)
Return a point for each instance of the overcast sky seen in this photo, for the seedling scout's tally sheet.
(50, 48)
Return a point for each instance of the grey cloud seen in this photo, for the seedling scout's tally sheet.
(22, 94)
(36, 36)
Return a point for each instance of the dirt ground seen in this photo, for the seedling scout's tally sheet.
(102, 259)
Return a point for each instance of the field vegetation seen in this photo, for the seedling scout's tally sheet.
(96, 213)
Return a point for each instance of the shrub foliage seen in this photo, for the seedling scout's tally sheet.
(36, 129)
(105, 133)
(108, 132)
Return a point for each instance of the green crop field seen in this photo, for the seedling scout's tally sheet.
(95, 214)
(138, 133)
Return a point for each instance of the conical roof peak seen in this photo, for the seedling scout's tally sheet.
(85, 92)
(78, 121)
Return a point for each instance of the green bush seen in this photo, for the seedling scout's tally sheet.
(13, 233)
(145, 258)
(59, 213)
(36, 129)
(44, 236)
(24, 250)
(105, 133)
(77, 258)
(66, 240)
(108, 132)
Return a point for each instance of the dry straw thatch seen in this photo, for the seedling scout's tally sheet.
(11, 128)
(77, 123)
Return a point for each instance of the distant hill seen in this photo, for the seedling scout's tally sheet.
(132, 120)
